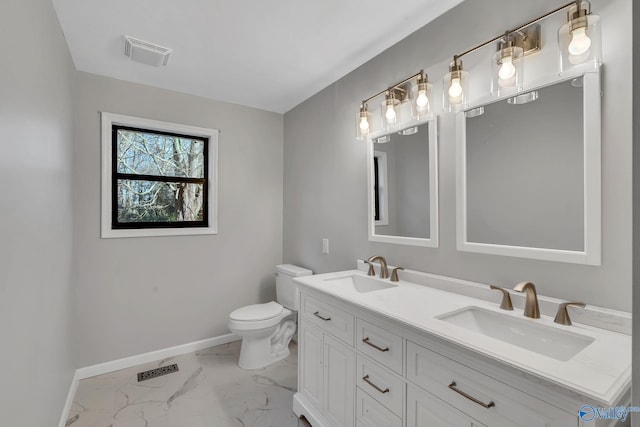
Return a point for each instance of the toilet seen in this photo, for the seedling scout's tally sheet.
(266, 329)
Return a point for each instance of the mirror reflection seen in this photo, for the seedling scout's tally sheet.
(525, 168)
(529, 174)
(401, 187)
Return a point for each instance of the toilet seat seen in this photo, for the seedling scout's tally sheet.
(257, 312)
(251, 326)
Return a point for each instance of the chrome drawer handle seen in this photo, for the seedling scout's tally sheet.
(453, 387)
(366, 341)
(366, 380)
(317, 314)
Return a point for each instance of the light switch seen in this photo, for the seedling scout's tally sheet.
(325, 246)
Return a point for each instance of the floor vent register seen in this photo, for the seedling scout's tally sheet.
(158, 372)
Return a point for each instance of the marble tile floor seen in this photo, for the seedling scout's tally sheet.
(209, 390)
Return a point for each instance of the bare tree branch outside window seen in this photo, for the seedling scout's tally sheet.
(159, 179)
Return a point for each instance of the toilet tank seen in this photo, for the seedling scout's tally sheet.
(287, 293)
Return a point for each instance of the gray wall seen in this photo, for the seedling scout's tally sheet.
(36, 229)
(141, 294)
(524, 172)
(325, 167)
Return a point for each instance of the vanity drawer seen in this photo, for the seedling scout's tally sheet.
(370, 413)
(380, 344)
(448, 380)
(337, 322)
(426, 410)
(380, 383)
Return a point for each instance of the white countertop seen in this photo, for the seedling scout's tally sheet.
(601, 371)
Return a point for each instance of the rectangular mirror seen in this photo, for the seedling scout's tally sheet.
(528, 173)
(403, 187)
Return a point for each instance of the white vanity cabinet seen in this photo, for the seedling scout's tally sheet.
(326, 372)
(424, 409)
(479, 396)
(338, 385)
(359, 368)
(311, 366)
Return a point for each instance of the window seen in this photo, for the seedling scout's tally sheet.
(158, 178)
(380, 191)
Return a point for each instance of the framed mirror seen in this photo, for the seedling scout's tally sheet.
(403, 186)
(528, 173)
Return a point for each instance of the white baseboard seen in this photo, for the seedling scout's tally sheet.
(139, 359)
(70, 398)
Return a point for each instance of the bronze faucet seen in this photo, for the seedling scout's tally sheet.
(506, 298)
(562, 316)
(372, 271)
(394, 274)
(531, 307)
(384, 272)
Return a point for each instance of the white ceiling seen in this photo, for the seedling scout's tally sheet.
(268, 54)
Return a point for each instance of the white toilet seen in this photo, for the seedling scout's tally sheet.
(266, 329)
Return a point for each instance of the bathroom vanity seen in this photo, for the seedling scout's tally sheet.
(435, 351)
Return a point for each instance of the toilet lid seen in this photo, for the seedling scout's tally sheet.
(257, 311)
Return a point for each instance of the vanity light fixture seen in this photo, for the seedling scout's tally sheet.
(395, 107)
(455, 84)
(363, 125)
(406, 104)
(390, 115)
(579, 39)
(507, 66)
(421, 106)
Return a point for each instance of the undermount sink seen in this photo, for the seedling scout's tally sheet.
(361, 284)
(542, 339)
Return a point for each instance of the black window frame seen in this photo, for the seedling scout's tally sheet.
(115, 176)
(376, 189)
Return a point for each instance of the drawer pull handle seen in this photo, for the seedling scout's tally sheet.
(366, 380)
(453, 387)
(317, 314)
(366, 341)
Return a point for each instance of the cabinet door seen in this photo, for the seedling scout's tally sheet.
(371, 413)
(426, 410)
(311, 371)
(339, 380)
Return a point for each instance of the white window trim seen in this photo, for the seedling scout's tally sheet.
(110, 119)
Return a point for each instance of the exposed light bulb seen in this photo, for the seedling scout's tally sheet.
(422, 101)
(507, 69)
(390, 114)
(455, 89)
(364, 125)
(580, 41)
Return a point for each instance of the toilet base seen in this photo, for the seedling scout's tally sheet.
(259, 352)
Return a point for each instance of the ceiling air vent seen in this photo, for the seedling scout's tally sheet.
(145, 52)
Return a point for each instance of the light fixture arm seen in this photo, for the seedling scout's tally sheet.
(397, 86)
(533, 21)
